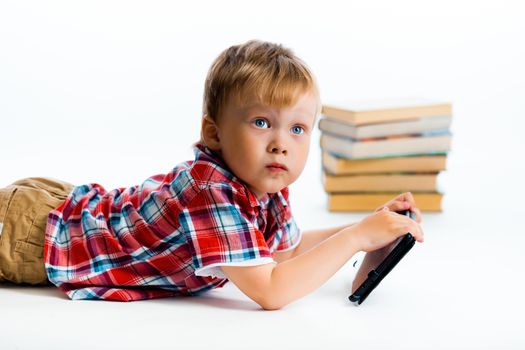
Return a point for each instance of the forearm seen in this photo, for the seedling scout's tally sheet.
(312, 238)
(296, 277)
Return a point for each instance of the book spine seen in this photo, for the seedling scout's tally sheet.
(385, 148)
(371, 201)
(342, 166)
(381, 183)
(386, 115)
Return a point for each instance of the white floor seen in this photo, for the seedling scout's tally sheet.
(461, 289)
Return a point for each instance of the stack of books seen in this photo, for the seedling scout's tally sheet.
(372, 152)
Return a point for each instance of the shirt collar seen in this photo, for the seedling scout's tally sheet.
(204, 153)
(278, 198)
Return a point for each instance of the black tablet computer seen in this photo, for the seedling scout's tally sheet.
(376, 276)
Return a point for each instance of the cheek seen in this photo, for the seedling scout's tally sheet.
(243, 150)
(252, 143)
(302, 155)
(302, 149)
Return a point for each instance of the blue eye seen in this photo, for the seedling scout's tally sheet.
(297, 130)
(261, 123)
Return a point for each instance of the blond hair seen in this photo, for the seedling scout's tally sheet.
(269, 70)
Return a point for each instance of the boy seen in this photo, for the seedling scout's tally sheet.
(223, 216)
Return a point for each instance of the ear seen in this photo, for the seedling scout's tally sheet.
(210, 133)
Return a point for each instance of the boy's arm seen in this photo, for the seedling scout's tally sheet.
(309, 239)
(273, 286)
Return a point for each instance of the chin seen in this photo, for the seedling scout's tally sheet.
(269, 190)
(271, 187)
(275, 189)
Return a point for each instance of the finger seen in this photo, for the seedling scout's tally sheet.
(399, 198)
(382, 210)
(387, 204)
(399, 206)
(417, 232)
(407, 196)
(421, 237)
(418, 214)
(407, 225)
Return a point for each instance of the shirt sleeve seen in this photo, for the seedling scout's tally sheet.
(220, 229)
(289, 235)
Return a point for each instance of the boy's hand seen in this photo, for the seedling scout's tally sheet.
(383, 227)
(404, 201)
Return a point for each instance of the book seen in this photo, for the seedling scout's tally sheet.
(381, 183)
(367, 112)
(340, 166)
(406, 145)
(430, 201)
(410, 126)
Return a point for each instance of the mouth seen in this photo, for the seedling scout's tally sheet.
(276, 167)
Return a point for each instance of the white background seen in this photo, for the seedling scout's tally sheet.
(111, 92)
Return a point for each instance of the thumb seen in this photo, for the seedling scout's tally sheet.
(385, 208)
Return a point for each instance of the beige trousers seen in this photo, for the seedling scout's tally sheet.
(24, 207)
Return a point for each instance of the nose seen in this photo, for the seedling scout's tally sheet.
(279, 150)
(277, 147)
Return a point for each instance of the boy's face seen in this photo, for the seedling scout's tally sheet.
(264, 146)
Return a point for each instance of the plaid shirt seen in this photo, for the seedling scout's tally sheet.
(165, 237)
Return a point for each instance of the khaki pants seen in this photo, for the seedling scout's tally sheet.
(24, 207)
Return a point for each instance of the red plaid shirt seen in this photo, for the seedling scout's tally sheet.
(167, 236)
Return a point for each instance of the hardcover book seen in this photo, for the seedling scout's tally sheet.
(371, 201)
(405, 145)
(342, 166)
(381, 183)
(367, 112)
(410, 126)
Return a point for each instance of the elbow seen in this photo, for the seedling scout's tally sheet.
(271, 303)
(270, 306)
(265, 291)
(276, 295)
